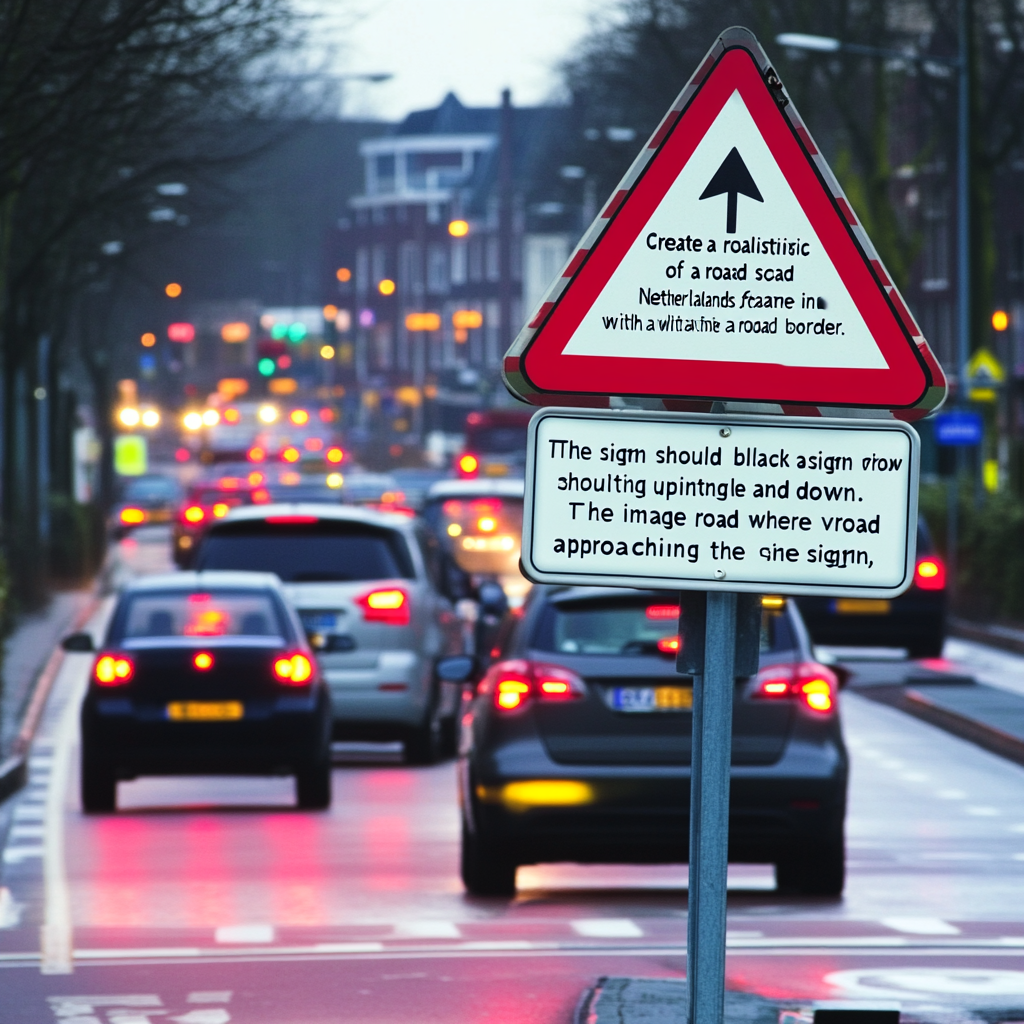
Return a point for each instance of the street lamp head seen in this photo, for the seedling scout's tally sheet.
(801, 41)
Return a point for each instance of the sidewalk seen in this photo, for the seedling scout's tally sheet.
(27, 650)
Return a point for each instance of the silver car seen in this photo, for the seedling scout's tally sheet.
(368, 587)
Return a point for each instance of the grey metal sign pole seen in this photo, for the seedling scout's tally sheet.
(709, 813)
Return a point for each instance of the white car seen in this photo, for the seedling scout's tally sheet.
(368, 587)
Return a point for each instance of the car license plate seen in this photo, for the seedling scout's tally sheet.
(652, 698)
(319, 622)
(205, 710)
(861, 606)
(495, 469)
(161, 515)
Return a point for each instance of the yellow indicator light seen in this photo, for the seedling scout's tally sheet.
(773, 602)
(454, 530)
(520, 796)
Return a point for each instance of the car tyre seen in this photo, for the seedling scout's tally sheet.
(423, 746)
(313, 786)
(98, 786)
(814, 869)
(486, 870)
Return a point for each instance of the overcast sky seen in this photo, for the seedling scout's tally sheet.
(474, 48)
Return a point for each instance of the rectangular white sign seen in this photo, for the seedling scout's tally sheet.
(791, 505)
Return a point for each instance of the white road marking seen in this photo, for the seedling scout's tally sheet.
(955, 855)
(930, 980)
(25, 832)
(16, 854)
(606, 928)
(29, 812)
(428, 930)
(951, 794)
(10, 911)
(214, 1015)
(984, 812)
(56, 931)
(209, 997)
(920, 925)
(245, 933)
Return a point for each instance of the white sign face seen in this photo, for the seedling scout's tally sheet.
(790, 505)
(729, 253)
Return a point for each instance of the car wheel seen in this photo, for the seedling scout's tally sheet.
(313, 786)
(450, 736)
(99, 787)
(815, 869)
(486, 870)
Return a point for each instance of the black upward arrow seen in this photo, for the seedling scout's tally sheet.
(732, 178)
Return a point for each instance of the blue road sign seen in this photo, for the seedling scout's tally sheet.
(958, 428)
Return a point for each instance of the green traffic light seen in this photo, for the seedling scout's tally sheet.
(278, 331)
(266, 366)
(297, 332)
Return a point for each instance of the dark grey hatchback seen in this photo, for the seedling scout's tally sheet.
(576, 746)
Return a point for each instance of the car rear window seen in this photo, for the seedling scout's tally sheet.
(151, 488)
(496, 440)
(210, 613)
(322, 551)
(630, 627)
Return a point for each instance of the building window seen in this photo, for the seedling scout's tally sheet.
(492, 332)
(437, 268)
(410, 269)
(493, 259)
(384, 168)
(476, 259)
(379, 215)
(935, 276)
(380, 263)
(460, 262)
(362, 271)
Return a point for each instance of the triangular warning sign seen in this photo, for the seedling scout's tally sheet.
(728, 266)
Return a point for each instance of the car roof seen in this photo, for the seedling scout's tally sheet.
(342, 513)
(200, 580)
(487, 488)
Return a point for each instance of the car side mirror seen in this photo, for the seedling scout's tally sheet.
(80, 642)
(457, 669)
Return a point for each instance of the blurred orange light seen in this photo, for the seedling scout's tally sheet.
(467, 319)
(291, 454)
(220, 510)
(422, 322)
(330, 312)
(312, 444)
(1000, 320)
(469, 464)
(236, 332)
(261, 496)
(386, 286)
(255, 478)
(202, 660)
(231, 415)
(173, 290)
(299, 417)
(343, 274)
(256, 454)
(326, 415)
(132, 516)
(194, 514)
(458, 228)
(335, 455)
(148, 339)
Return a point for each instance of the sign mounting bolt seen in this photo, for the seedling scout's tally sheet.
(724, 432)
(719, 574)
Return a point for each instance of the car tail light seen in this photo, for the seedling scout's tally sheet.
(132, 516)
(113, 669)
(290, 454)
(300, 417)
(293, 669)
(194, 514)
(335, 455)
(669, 644)
(261, 496)
(389, 606)
(468, 466)
(291, 520)
(930, 573)
(256, 454)
(202, 660)
(220, 510)
(513, 683)
(313, 444)
(814, 685)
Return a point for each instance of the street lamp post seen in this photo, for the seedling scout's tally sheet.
(961, 65)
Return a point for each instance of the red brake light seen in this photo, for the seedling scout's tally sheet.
(663, 611)
(132, 516)
(389, 606)
(335, 455)
(930, 573)
(313, 444)
(113, 669)
(291, 519)
(202, 660)
(293, 669)
(669, 645)
(290, 454)
(813, 684)
(194, 514)
(256, 454)
(513, 683)
(261, 496)
(469, 466)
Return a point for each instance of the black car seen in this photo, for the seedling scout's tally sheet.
(144, 501)
(576, 746)
(915, 620)
(203, 673)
